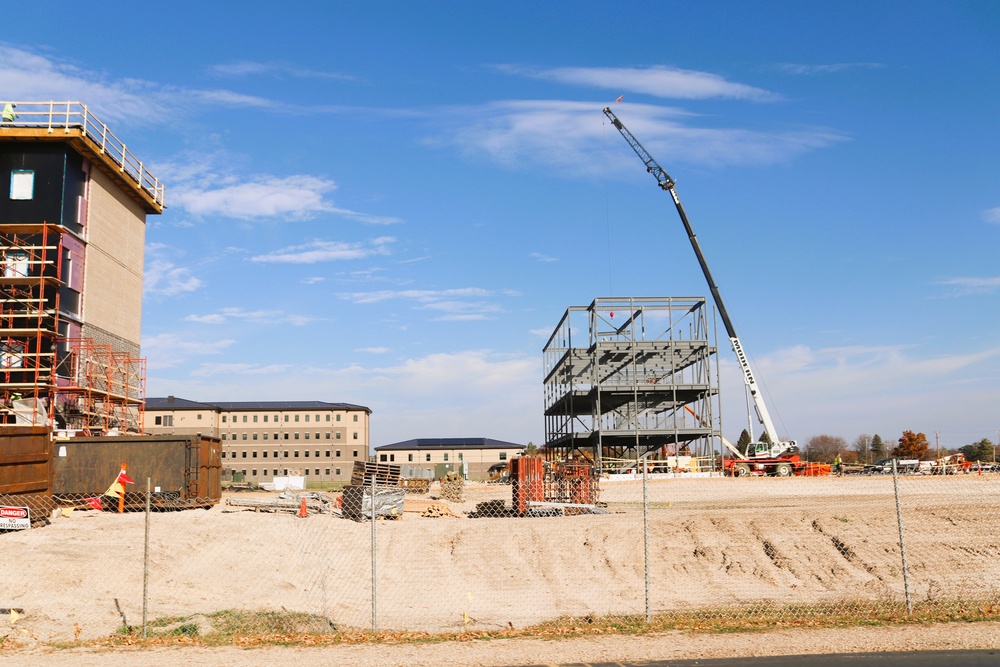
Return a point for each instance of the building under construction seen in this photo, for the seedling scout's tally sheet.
(73, 206)
(631, 377)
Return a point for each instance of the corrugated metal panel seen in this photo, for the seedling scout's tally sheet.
(25, 460)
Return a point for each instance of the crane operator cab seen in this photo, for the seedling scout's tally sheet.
(767, 450)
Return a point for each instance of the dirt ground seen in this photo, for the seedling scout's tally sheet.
(725, 544)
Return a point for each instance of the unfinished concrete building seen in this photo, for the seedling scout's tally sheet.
(629, 376)
(73, 206)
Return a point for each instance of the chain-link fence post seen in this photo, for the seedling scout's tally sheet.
(645, 526)
(145, 565)
(902, 540)
(374, 564)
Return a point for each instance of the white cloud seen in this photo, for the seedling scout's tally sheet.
(163, 277)
(560, 135)
(168, 350)
(256, 316)
(207, 370)
(373, 350)
(326, 251)
(658, 81)
(314, 280)
(265, 197)
(964, 286)
(793, 68)
(27, 75)
(542, 258)
(420, 296)
(244, 68)
(992, 215)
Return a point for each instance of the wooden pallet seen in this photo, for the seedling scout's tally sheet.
(386, 474)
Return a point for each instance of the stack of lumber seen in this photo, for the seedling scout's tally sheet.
(427, 507)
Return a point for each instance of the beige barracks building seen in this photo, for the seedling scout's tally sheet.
(268, 439)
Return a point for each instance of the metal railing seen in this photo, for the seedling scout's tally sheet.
(75, 115)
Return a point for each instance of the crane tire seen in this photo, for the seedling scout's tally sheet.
(783, 470)
(741, 470)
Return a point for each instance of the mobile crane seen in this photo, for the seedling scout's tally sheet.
(778, 457)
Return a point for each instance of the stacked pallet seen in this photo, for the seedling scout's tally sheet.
(385, 474)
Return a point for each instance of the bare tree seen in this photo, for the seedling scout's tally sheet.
(863, 446)
(825, 447)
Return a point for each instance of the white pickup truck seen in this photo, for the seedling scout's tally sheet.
(903, 467)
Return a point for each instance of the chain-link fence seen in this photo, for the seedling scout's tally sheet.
(544, 544)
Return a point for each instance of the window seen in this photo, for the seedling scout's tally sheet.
(328, 453)
(223, 436)
(306, 472)
(355, 418)
(22, 184)
(286, 418)
(409, 457)
(223, 455)
(307, 453)
(275, 419)
(296, 436)
(307, 435)
(355, 453)
(503, 456)
(317, 417)
(460, 456)
(244, 454)
(254, 436)
(327, 435)
(328, 417)
(327, 472)
(316, 471)
(317, 436)
(317, 453)
(244, 472)
(255, 419)
(355, 435)
(338, 470)
(199, 415)
(446, 456)
(338, 436)
(244, 419)
(223, 419)
(255, 454)
(275, 472)
(383, 457)
(307, 417)
(265, 454)
(265, 436)
(338, 417)
(254, 473)
(159, 421)
(296, 417)
(296, 454)
(265, 419)
(337, 453)
(285, 472)
(275, 436)
(286, 456)
(392, 457)
(244, 436)
(286, 436)
(428, 456)
(276, 456)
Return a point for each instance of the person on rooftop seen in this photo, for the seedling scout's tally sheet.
(8, 113)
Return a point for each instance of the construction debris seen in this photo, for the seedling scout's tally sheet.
(314, 503)
(357, 502)
(385, 474)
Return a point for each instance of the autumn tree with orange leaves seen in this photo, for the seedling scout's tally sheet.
(911, 446)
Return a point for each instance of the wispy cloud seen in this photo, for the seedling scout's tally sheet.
(658, 81)
(294, 197)
(255, 316)
(373, 350)
(560, 134)
(326, 251)
(168, 350)
(459, 304)
(165, 278)
(314, 280)
(992, 215)
(248, 68)
(794, 68)
(542, 258)
(965, 286)
(28, 75)
(208, 370)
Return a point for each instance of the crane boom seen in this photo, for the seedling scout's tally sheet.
(667, 183)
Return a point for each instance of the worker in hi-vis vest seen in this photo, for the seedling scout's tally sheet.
(8, 113)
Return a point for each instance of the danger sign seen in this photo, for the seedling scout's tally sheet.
(14, 518)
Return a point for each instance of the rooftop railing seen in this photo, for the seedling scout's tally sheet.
(67, 116)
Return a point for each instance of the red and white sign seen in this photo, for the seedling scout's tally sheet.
(14, 518)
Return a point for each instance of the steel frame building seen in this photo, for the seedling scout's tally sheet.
(630, 376)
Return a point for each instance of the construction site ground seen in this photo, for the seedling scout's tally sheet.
(712, 542)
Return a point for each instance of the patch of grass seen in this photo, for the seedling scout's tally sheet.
(285, 628)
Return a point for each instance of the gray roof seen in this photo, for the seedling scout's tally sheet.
(174, 403)
(450, 443)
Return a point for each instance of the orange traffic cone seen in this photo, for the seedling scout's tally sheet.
(303, 512)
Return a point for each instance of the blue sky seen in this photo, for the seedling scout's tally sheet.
(393, 203)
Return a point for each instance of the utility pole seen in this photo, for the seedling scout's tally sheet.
(937, 442)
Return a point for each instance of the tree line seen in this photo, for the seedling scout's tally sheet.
(870, 448)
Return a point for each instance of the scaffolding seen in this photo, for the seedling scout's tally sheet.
(631, 377)
(47, 378)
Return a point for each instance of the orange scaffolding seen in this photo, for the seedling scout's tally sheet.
(46, 379)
